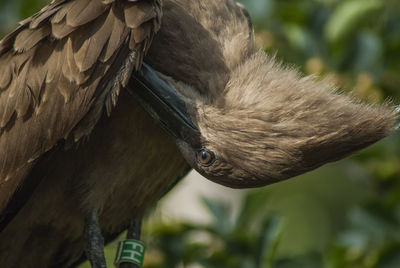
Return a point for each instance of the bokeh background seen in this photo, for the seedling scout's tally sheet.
(346, 214)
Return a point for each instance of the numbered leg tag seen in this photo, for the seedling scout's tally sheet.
(130, 250)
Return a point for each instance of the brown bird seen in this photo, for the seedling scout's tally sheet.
(79, 156)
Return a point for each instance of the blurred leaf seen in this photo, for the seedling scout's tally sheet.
(347, 16)
(220, 211)
(311, 260)
(268, 242)
(250, 212)
(391, 258)
(300, 39)
(369, 54)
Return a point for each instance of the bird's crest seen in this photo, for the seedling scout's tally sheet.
(270, 123)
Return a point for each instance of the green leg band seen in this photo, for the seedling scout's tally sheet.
(130, 250)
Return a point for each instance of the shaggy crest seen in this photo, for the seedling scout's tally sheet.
(271, 124)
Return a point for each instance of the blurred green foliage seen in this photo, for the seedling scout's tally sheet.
(346, 214)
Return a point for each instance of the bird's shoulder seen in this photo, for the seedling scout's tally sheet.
(59, 69)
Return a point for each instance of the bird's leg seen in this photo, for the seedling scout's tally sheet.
(131, 251)
(94, 241)
(134, 229)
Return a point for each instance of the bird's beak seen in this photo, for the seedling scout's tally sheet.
(163, 104)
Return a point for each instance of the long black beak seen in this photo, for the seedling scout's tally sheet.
(163, 104)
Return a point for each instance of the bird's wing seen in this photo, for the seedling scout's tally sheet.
(59, 69)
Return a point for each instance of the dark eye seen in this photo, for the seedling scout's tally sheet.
(205, 157)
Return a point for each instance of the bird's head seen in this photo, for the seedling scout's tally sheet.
(268, 124)
(240, 118)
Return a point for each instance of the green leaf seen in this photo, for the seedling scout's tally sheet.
(347, 17)
(252, 208)
(270, 236)
(220, 212)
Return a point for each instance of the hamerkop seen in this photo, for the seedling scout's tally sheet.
(90, 132)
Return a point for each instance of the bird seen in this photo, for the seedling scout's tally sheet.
(105, 104)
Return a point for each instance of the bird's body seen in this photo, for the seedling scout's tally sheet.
(205, 51)
(123, 177)
(126, 164)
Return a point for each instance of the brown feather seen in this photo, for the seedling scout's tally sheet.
(28, 38)
(67, 88)
(61, 29)
(139, 56)
(70, 69)
(138, 12)
(24, 94)
(61, 13)
(5, 77)
(8, 41)
(141, 33)
(42, 16)
(117, 33)
(90, 41)
(84, 11)
(8, 108)
(127, 71)
(36, 83)
(11, 95)
(54, 62)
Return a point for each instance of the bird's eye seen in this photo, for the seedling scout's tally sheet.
(205, 157)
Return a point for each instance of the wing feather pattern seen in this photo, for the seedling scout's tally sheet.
(55, 73)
